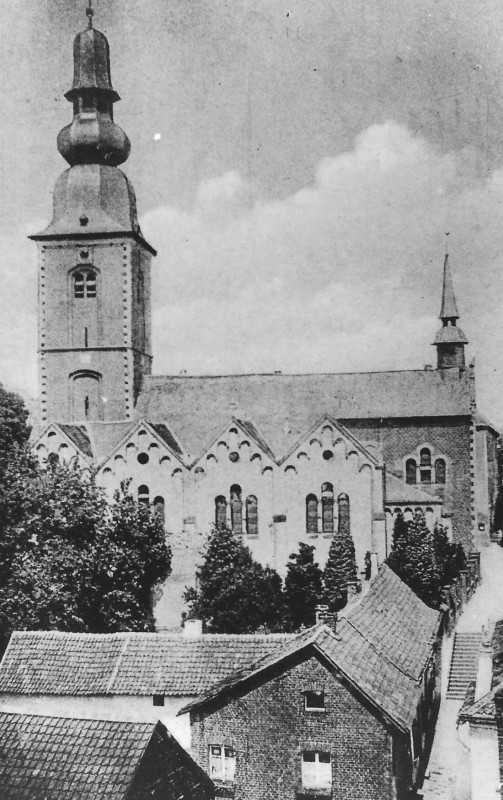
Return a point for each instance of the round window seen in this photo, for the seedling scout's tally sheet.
(234, 456)
(142, 458)
(327, 455)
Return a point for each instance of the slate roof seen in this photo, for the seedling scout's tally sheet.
(80, 437)
(52, 662)
(283, 407)
(381, 647)
(53, 758)
(399, 492)
(482, 710)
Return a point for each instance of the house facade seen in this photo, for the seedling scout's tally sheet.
(346, 713)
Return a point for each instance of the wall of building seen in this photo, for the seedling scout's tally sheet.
(448, 437)
(270, 729)
(117, 707)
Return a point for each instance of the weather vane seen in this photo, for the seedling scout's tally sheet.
(90, 13)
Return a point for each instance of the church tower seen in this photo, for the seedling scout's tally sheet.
(450, 340)
(94, 264)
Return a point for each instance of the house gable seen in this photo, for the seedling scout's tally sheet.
(67, 442)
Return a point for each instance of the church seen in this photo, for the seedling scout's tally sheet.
(280, 458)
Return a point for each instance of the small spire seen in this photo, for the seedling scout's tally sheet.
(449, 308)
(90, 13)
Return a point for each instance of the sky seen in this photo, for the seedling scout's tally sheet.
(297, 166)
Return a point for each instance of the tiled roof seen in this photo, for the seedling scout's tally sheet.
(397, 491)
(283, 407)
(80, 437)
(105, 436)
(381, 647)
(51, 662)
(397, 622)
(53, 758)
(167, 437)
(482, 710)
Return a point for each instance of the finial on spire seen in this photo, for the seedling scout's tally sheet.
(90, 13)
(447, 243)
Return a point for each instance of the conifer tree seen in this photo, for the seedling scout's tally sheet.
(234, 594)
(340, 569)
(413, 559)
(303, 588)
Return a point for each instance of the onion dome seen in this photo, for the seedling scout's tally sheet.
(92, 137)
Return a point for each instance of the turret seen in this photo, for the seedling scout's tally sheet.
(450, 340)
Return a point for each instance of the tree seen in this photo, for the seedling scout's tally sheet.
(234, 594)
(303, 589)
(71, 561)
(413, 559)
(340, 569)
(14, 428)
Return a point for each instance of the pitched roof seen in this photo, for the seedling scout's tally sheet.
(80, 437)
(482, 710)
(397, 622)
(57, 758)
(378, 648)
(52, 662)
(397, 491)
(283, 407)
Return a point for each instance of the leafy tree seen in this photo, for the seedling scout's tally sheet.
(413, 559)
(303, 589)
(234, 594)
(450, 557)
(14, 428)
(71, 561)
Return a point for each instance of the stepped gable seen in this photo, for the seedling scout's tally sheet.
(69, 759)
(377, 648)
(283, 407)
(56, 663)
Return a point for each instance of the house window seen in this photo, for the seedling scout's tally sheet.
(158, 700)
(222, 762)
(410, 471)
(327, 508)
(314, 701)
(84, 284)
(251, 515)
(316, 770)
(236, 509)
(311, 514)
(440, 470)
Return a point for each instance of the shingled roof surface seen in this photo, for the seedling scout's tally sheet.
(283, 407)
(400, 626)
(80, 437)
(397, 491)
(381, 647)
(51, 662)
(53, 758)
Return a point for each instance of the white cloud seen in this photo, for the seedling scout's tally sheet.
(345, 274)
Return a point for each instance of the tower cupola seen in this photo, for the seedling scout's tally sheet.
(450, 340)
(92, 137)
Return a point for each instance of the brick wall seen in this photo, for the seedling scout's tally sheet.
(269, 729)
(447, 436)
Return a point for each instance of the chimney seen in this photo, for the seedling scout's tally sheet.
(192, 628)
(428, 367)
(326, 617)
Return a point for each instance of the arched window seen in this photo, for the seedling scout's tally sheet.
(143, 494)
(344, 523)
(440, 470)
(425, 465)
(220, 511)
(86, 395)
(327, 508)
(410, 471)
(236, 509)
(159, 507)
(84, 284)
(311, 514)
(251, 515)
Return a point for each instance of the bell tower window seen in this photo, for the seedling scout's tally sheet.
(84, 284)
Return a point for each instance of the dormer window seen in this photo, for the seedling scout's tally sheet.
(84, 284)
(314, 701)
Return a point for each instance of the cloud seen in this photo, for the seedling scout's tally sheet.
(345, 274)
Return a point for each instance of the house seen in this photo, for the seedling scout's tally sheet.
(346, 713)
(122, 676)
(274, 456)
(480, 719)
(62, 758)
